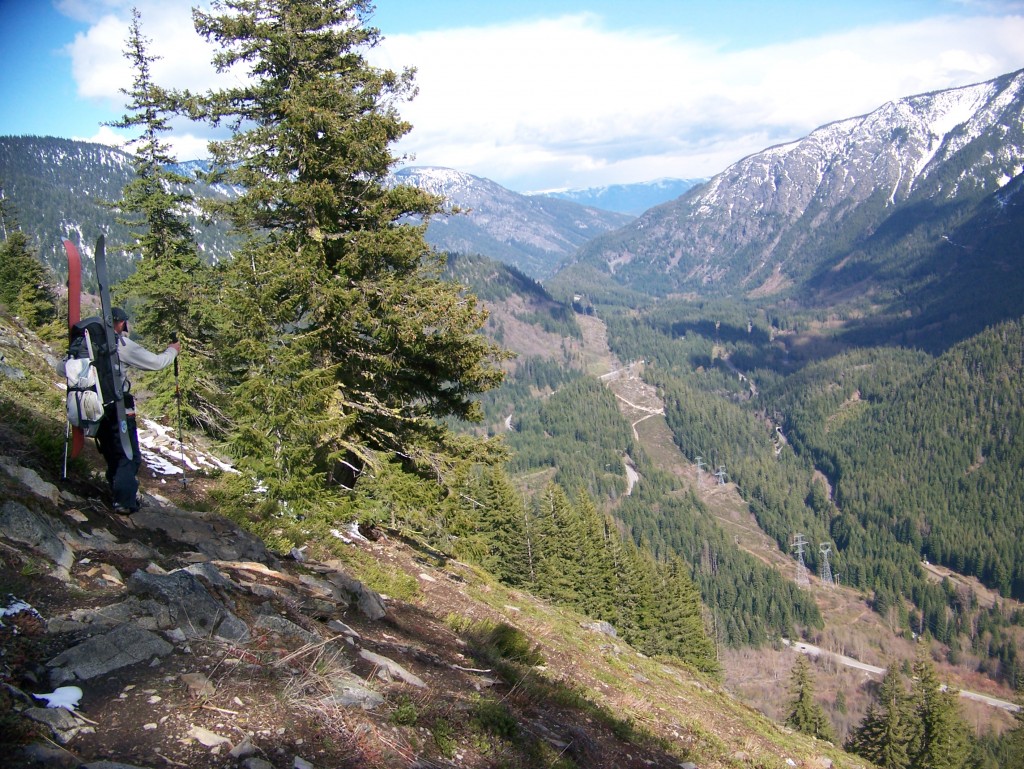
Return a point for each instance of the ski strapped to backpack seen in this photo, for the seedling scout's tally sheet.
(92, 366)
(74, 315)
(112, 361)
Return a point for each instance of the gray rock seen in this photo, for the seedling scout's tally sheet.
(105, 542)
(286, 628)
(99, 618)
(244, 749)
(180, 600)
(125, 645)
(41, 533)
(30, 478)
(208, 572)
(603, 627)
(209, 533)
(340, 627)
(349, 691)
(49, 755)
(256, 763)
(392, 668)
(369, 602)
(62, 723)
(110, 765)
(11, 372)
(55, 540)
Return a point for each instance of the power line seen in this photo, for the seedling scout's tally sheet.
(825, 548)
(799, 543)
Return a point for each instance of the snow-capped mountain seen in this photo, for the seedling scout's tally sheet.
(534, 234)
(831, 208)
(631, 199)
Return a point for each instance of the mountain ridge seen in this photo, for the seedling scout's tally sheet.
(773, 218)
(534, 234)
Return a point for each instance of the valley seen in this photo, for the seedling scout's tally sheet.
(855, 645)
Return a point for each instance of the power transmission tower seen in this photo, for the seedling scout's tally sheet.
(721, 475)
(825, 548)
(700, 471)
(799, 543)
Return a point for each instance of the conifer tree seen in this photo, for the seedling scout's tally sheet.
(939, 736)
(340, 340)
(503, 519)
(681, 626)
(26, 286)
(166, 291)
(559, 573)
(1015, 742)
(884, 734)
(595, 559)
(806, 715)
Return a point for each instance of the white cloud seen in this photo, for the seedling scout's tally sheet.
(183, 57)
(571, 101)
(183, 61)
(104, 135)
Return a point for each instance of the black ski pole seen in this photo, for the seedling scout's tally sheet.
(177, 397)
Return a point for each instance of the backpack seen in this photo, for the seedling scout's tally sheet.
(89, 377)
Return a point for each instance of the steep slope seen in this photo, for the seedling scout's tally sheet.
(775, 219)
(532, 233)
(194, 645)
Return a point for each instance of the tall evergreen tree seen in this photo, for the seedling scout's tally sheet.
(503, 520)
(681, 626)
(1015, 741)
(884, 734)
(559, 573)
(166, 291)
(939, 735)
(806, 715)
(340, 340)
(26, 286)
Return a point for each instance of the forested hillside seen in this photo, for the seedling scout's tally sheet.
(57, 188)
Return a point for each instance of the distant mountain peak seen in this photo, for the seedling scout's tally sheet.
(632, 199)
(796, 212)
(533, 234)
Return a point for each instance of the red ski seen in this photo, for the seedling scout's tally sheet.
(74, 315)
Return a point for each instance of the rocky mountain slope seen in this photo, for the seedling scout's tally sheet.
(57, 188)
(532, 233)
(175, 638)
(832, 210)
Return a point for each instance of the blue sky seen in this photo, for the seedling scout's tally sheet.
(553, 93)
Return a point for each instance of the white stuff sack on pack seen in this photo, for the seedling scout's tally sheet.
(85, 405)
(88, 391)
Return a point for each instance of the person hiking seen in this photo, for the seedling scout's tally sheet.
(122, 472)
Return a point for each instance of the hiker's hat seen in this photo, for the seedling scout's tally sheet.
(119, 314)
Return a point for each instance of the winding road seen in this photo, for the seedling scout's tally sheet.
(850, 662)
